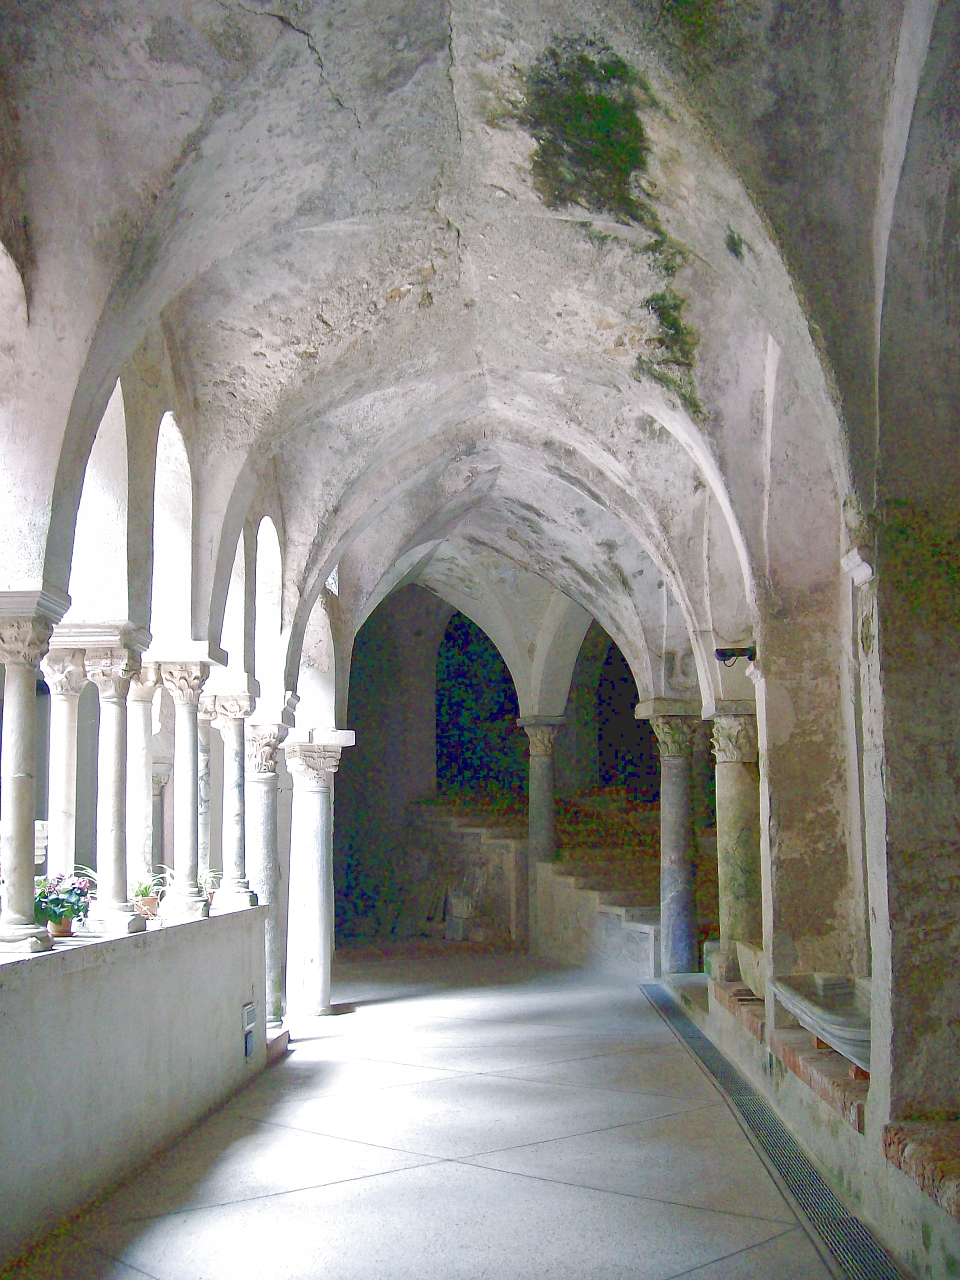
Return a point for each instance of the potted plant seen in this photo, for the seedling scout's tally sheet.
(145, 896)
(60, 900)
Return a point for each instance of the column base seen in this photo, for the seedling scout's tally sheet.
(232, 897)
(115, 922)
(25, 939)
(178, 909)
(720, 960)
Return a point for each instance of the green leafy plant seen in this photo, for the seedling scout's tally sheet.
(61, 898)
(152, 888)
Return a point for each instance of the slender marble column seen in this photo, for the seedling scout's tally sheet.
(310, 939)
(541, 821)
(63, 671)
(110, 670)
(738, 837)
(234, 892)
(158, 781)
(205, 713)
(23, 641)
(678, 908)
(143, 688)
(184, 900)
(262, 849)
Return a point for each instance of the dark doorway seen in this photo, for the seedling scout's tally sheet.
(480, 750)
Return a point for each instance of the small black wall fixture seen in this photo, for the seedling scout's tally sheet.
(729, 656)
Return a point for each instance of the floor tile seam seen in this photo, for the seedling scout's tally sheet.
(631, 1195)
(566, 1137)
(423, 1162)
(392, 1062)
(681, 1275)
(105, 1253)
(356, 1142)
(595, 1088)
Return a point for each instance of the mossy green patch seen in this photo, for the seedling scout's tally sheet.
(920, 556)
(673, 366)
(581, 104)
(735, 244)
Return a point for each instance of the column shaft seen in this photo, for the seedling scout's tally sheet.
(204, 717)
(262, 849)
(311, 915)
(184, 899)
(738, 837)
(111, 670)
(234, 891)
(22, 642)
(140, 792)
(678, 913)
(65, 677)
(541, 821)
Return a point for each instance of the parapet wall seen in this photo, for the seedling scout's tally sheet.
(110, 1050)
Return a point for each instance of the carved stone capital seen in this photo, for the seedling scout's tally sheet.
(735, 739)
(233, 706)
(207, 708)
(64, 672)
(311, 760)
(111, 671)
(674, 734)
(184, 680)
(24, 640)
(542, 733)
(262, 742)
(144, 684)
(160, 778)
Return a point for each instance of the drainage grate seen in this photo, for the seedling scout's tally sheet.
(851, 1245)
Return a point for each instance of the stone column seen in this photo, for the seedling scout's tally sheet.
(111, 670)
(65, 677)
(158, 780)
(234, 892)
(205, 714)
(184, 899)
(262, 851)
(738, 837)
(23, 641)
(310, 937)
(541, 822)
(678, 909)
(140, 818)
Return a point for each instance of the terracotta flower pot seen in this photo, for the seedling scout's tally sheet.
(146, 907)
(62, 930)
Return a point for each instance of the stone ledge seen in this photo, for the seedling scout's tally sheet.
(825, 1071)
(929, 1152)
(739, 1000)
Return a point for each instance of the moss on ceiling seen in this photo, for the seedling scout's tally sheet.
(581, 104)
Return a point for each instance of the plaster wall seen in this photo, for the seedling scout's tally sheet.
(109, 1051)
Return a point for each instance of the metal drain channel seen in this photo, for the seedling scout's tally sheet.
(851, 1245)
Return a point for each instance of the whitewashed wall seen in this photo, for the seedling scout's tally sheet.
(110, 1051)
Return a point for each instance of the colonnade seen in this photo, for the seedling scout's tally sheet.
(128, 814)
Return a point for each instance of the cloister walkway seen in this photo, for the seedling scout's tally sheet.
(474, 1118)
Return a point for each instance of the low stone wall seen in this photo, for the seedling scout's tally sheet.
(110, 1050)
(575, 925)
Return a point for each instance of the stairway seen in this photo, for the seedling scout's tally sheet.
(598, 902)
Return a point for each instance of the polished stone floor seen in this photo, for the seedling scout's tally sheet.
(473, 1118)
